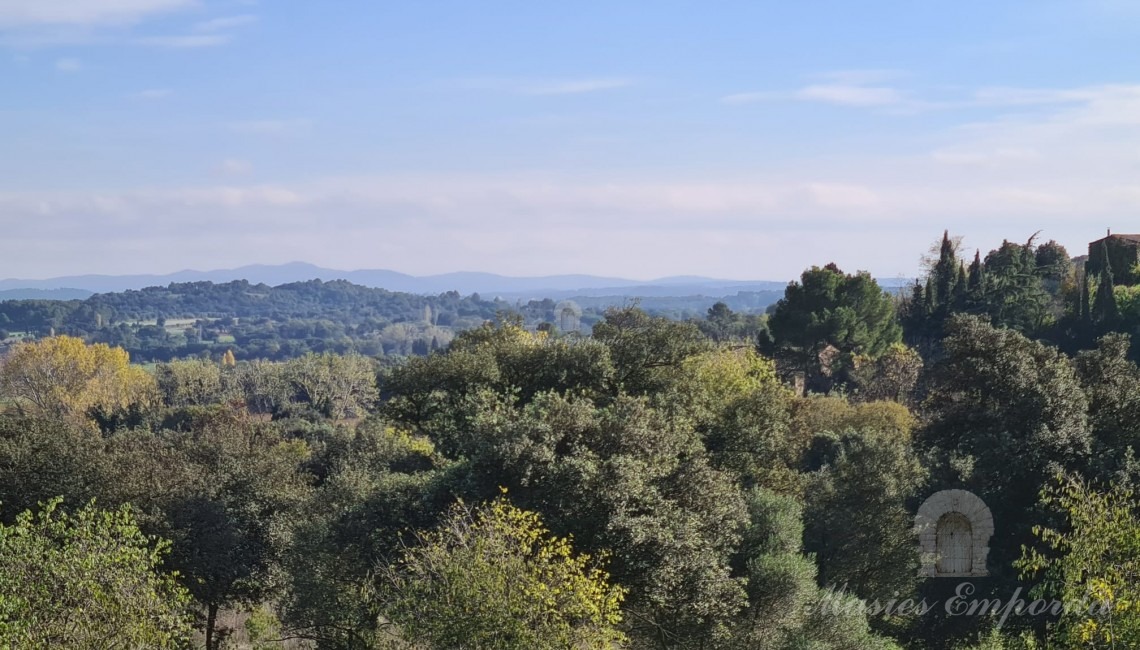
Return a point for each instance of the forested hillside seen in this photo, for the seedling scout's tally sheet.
(256, 321)
(730, 482)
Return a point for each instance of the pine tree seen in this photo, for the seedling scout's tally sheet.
(914, 310)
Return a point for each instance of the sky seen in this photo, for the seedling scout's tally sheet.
(731, 139)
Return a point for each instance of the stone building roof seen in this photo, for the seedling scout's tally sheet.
(1130, 238)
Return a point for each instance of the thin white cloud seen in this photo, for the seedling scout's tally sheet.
(1068, 165)
(849, 95)
(235, 167)
(33, 13)
(271, 127)
(862, 77)
(864, 89)
(186, 41)
(545, 87)
(153, 93)
(833, 93)
(225, 23)
(69, 65)
(1012, 96)
(575, 86)
(737, 99)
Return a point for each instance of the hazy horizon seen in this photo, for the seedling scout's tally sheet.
(687, 276)
(749, 140)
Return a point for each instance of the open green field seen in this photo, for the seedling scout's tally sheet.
(14, 337)
(172, 324)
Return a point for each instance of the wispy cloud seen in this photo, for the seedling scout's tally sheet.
(574, 86)
(839, 94)
(31, 13)
(208, 33)
(867, 89)
(1067, 161)
(856, 88)
(271, 127)
(153, 94)
(861, 77)
(225, 23)
(545, 86)
(186, 41)
(753, 97)
(69, 65)
(1009, 96)
(849, 95)
(235, 167)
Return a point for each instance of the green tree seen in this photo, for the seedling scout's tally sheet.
(786, 609)
(1053, 261)
(263, 386)
(893, 376)
(378, 482)
(494, 577)
(976, 283)
(337, 386)
(44, 458)
(235, 490)
(857, 523)
(197, 382)
(721, 323)
(945, 273)
(829, 307)
(1104, 309)
(1015, 295)
(1094, 559)
(86, 580)
(1112, 383)
(732, 397)
(623, 478)
(997, 396)
(433, 393)
(645, 348)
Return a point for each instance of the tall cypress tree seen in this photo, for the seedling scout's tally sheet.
(977, 281)
(945, 272)
(1083, 307)
(960, 288)
(1104, 305)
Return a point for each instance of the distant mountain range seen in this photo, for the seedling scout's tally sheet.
(44, 294)
(485, 284)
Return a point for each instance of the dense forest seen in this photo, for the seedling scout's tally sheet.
(737, 481)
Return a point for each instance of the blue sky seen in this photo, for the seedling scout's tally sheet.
(732, 139)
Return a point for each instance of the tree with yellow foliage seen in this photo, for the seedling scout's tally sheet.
(228, 359)
(63, 377)
(1091, 564)
(494, 577)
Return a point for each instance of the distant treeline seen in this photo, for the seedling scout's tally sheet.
(257, 321)
(254, 320)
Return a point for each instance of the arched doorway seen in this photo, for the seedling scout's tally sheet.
(955, 544)
(954, 529)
